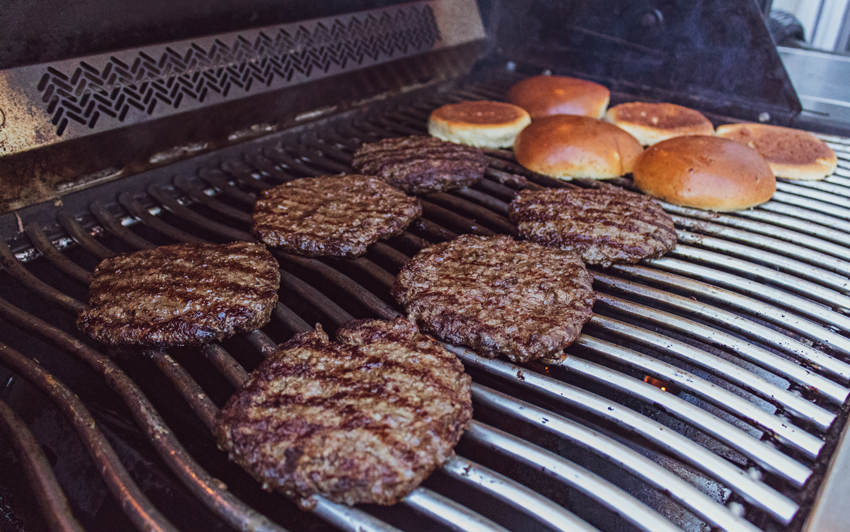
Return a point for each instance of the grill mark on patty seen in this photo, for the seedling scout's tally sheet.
(191, 287)
(336, 216)
(337, 400)
(355, 421)
(498, 296)
(604, 225)
(390, 367)
(419, 165)
(185, 294)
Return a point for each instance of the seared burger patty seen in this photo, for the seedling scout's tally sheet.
(419, 165)
(498, 296)
(604, 226)
(332, 216)
(364, 420)
(185, 294)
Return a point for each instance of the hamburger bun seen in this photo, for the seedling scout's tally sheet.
(791, 153)
(651, 123)
(705, 172)
(559, 95)
(480, 124)
(566, 146)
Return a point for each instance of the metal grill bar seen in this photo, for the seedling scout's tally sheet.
(771, 459)
(756, 493)
(349, 519)
(49, 251)
(448, 513)
(821, 275)
(782, 318)
(515, 495)
(751, 288)
(798, 236)
(808, 192)
(718, 396)
(802, 214)
(636, 513)
(51, 500)
(831, 298)
(16, 269)
(617, 453)
(832, 186)
(794, 404)
(834, 178)
(133, 501)
(811, 204)
(79, 235)
(181, 463)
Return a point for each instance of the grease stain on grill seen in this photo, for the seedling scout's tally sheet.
(179, 152)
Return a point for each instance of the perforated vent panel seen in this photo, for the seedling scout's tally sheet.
(52, 102)
(265, 58)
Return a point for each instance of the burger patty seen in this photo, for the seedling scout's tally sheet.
(604, 225)
(419, 165)
(365, 420)
(498, 296)
(332, 216)
(184, 294)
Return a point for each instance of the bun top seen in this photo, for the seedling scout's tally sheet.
(790, 152)
(480, 114)
(653, 122)
(705, 172)
(576, 146)
(559, 95)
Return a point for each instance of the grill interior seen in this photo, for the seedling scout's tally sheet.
(708, 391)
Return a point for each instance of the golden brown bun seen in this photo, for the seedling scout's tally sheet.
(480, 124)
(706, 173)
(559, 95)
(651, 123)
(791, 153)
(567, 146)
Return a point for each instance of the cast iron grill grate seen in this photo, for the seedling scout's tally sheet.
(707, 391)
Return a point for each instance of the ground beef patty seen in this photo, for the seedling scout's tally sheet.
(185, 294)
(332, 216)
(498, 296)
(604, 226)
(364, 420)
(419, 165)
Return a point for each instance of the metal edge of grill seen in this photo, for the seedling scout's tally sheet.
(745, 360)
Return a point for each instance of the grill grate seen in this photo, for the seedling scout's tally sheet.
(713, 377)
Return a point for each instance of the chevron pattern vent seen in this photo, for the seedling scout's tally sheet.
(267, 58)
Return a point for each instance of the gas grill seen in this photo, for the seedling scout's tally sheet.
(709, 392)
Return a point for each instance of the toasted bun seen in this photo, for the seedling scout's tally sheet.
(559, 95)
(479, 124)
(705, 172)
(567, 146)
(791, 153)
(651, 123)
